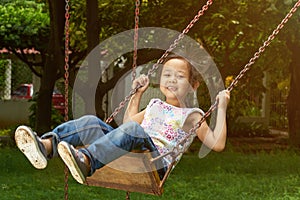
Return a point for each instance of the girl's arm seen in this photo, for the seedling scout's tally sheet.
(216, 139)
(133, 105)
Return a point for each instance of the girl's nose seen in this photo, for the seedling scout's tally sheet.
(172, 79)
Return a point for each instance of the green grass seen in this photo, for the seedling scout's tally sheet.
(219, 176)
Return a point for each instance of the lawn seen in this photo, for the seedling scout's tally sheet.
(228, 175)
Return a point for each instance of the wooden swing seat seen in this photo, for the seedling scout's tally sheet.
(113, 176)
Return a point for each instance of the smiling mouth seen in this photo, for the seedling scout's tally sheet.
(171, 88)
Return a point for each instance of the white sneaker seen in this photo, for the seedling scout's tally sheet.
(74, 159)
(31, 146)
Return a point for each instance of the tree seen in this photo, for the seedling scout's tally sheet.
(24, 25)
(54, 63)
(235, 31)
(291, 36)
(294, 94)
(230, 30)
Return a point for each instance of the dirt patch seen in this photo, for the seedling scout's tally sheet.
(258, 144)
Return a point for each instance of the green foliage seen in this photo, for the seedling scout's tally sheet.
(4, 132)
(119, 16)
(245, 101)
(231, 31)
(78, 38)
(23, 24)
(278, 110)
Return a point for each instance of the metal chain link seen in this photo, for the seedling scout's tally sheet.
(263, 47)
(67, 39)
(256, 55)
(136, 37)
(180, 37)
(66, 117)
(161, 59)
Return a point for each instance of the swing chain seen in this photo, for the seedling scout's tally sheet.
(67, 39)
(180, 37)
(263, 47)
(234, 82)
(66, 67)
(136, 37)
(162, 58)
(134, 65)
(122, 104)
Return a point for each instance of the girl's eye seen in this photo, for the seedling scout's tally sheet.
(180, 76)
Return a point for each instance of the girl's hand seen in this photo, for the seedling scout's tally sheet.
(223, 98)
(142, 81)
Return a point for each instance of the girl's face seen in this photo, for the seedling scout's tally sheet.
(174, 81)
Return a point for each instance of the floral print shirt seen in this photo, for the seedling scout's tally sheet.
(164, 122)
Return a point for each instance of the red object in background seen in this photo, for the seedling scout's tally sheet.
(58, 101)
(25, 91)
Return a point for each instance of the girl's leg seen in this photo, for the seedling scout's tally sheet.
(129, 136)
(79, 132)
(120, 141)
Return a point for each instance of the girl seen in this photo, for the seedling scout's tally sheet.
(158, 128)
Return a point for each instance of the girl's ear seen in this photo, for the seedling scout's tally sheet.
(196, 85)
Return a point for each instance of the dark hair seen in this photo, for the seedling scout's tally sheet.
(194, 74)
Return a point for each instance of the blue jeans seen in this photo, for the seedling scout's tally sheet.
(103, 143)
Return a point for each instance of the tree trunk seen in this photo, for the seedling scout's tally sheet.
(93, 32)
(294, 96)
(54, 61)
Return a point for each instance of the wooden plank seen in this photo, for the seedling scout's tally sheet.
(132, 172)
